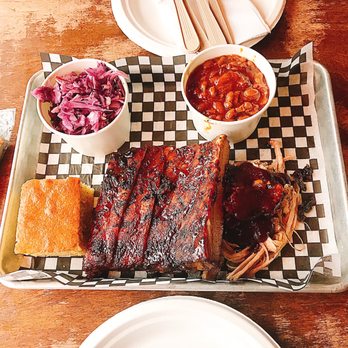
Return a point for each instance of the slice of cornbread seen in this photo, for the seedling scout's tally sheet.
(54, 217)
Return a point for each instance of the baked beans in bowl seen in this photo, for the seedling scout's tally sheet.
(227, 89)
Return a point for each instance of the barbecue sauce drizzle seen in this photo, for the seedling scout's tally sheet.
(251, 198)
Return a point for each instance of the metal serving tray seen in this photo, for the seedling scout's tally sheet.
(24, 167)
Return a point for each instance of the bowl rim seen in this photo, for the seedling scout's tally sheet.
(217, 47)
(89, 135)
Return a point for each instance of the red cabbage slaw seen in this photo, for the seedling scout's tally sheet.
(84, 103)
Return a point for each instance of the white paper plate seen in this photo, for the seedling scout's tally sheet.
(144, 23)
(179, 321)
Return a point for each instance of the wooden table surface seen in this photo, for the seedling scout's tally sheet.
(87, 29)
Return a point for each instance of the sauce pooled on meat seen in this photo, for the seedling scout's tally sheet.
(251, 197)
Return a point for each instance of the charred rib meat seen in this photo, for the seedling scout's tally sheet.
(160, 209)
(116, 189)
(132, 238)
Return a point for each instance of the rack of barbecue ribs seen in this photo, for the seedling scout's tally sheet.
(160, 209)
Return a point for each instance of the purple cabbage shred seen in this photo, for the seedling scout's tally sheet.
(84, 103)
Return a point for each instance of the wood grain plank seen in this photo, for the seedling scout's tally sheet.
(87, 29)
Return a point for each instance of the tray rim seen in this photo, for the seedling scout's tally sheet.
(232, 287)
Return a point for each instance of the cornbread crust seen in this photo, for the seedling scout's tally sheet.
(49, 218)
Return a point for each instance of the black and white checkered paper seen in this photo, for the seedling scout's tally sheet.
(159, 116)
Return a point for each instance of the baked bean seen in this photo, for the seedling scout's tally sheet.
(227, 88)
(221, 61)
(212, 91)
(229, 97)
(230, 114)
(248, 105)
(259, 77)
(225, 78)
(251, 94)
(208, 64)
(254, 110)
(202, 106)
(236, 97)
(227, 105)
(218, 106)
(204, 85)
(240, 109)
(214, 79)
(263, 99)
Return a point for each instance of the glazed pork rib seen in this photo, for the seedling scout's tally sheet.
(192, 246)
(132, 238)
(169, 216)
(116, 189)
(165, 218)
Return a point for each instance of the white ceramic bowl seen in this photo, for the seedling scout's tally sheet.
(236, 131)
(102, 142)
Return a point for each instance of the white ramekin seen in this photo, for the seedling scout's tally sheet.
(236, 131)
(102, 142)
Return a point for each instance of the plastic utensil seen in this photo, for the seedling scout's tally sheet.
(191, 40)
(216, 8)
(211, 26)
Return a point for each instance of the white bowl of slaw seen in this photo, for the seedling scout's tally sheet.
(105, 140)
